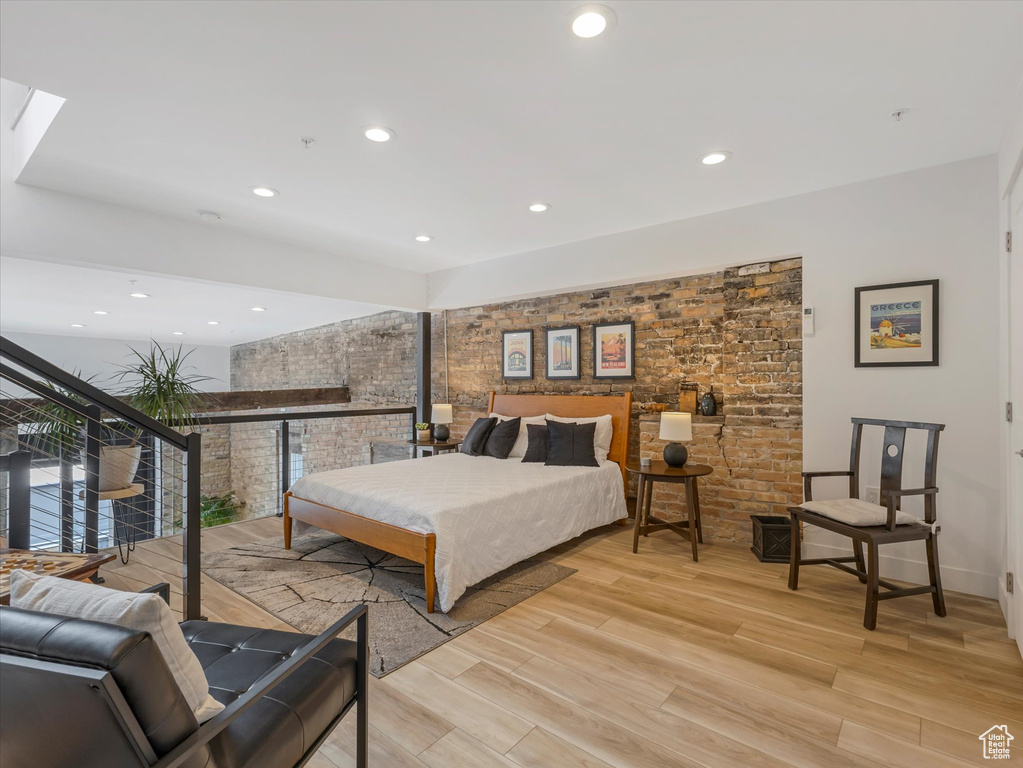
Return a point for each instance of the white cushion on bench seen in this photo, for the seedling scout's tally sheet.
(141, 612)
(856, 512)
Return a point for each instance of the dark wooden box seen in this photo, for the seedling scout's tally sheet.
(772, 538)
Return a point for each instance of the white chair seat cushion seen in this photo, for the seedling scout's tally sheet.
(856, 512)
(141, 612)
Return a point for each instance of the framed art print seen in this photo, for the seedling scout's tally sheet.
(897, 324)
(517, 354)
(563, 352)
(614, 346)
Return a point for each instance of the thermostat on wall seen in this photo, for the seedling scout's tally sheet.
(808, 321)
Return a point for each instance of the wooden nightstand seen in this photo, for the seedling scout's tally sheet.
(434, 446)
(659, 472)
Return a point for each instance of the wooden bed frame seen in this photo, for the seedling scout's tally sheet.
(420, 547)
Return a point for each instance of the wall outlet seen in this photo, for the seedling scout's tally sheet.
(872, 494)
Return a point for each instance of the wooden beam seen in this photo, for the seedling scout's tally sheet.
(273, 398)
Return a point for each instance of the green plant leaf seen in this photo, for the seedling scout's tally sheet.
(162, 388)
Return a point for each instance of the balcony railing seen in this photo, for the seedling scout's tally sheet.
(236, 466)
(56, 431)
(268, 451)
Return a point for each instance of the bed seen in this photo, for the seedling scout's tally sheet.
(465, 518)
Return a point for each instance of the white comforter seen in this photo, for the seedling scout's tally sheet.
(487, 513)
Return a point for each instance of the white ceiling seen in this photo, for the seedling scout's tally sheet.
(175, 107)
(38, 297)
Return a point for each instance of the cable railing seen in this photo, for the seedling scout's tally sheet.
(271, 450)
(63, 440)
(233, 466)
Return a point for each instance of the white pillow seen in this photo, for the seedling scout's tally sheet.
(857, 512)
(519, 449)
(601, 435)
(141, 612)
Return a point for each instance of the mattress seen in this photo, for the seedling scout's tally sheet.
(488, 513)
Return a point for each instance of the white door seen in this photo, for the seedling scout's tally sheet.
(1015, 521)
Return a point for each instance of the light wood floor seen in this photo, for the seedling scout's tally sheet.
(652, 660)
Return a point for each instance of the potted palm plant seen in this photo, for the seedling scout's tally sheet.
(160, 387)
(58, 427)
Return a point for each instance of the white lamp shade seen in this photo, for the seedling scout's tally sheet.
(676, 427)
(442, 414)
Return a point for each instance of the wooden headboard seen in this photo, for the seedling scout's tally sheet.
(575, 406)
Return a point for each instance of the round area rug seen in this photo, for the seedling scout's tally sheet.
(323, 576)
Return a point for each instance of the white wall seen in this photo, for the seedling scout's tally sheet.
(940, 222)
(101, 357)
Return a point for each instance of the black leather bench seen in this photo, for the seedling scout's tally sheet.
(84, 693)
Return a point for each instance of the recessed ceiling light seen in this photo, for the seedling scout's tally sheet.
(539, 207)
(592, 20)
(139, 295)
(378, 133)
(423, 238)
(101, 312)
(713, 158)
(212, 322)
(179, 333)
(259, 309)
(265, 192)
(77, 325)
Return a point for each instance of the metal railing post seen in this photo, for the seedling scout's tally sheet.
(67, 499)
(146, 507)
(19, 507)
(285, 457)
(191, 581)
(92, 447)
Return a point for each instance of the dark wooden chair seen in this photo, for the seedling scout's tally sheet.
(890, 526)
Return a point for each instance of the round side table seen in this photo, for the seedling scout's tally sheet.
(434, 446)
(659, 472)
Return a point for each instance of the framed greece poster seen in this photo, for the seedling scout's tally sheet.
(614, 346)
(517, 354)
(897, 324)
(563, 352)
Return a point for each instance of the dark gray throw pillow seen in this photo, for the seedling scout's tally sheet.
(536, 448)
(570, 445)
(502, 438)
(476, 438)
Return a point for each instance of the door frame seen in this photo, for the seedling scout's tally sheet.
(1012, 350)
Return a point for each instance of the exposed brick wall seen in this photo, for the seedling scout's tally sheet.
(374, 356)
(737, 331)
(216, 459)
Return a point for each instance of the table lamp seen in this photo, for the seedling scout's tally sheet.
(442, 416)
(676, 427)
